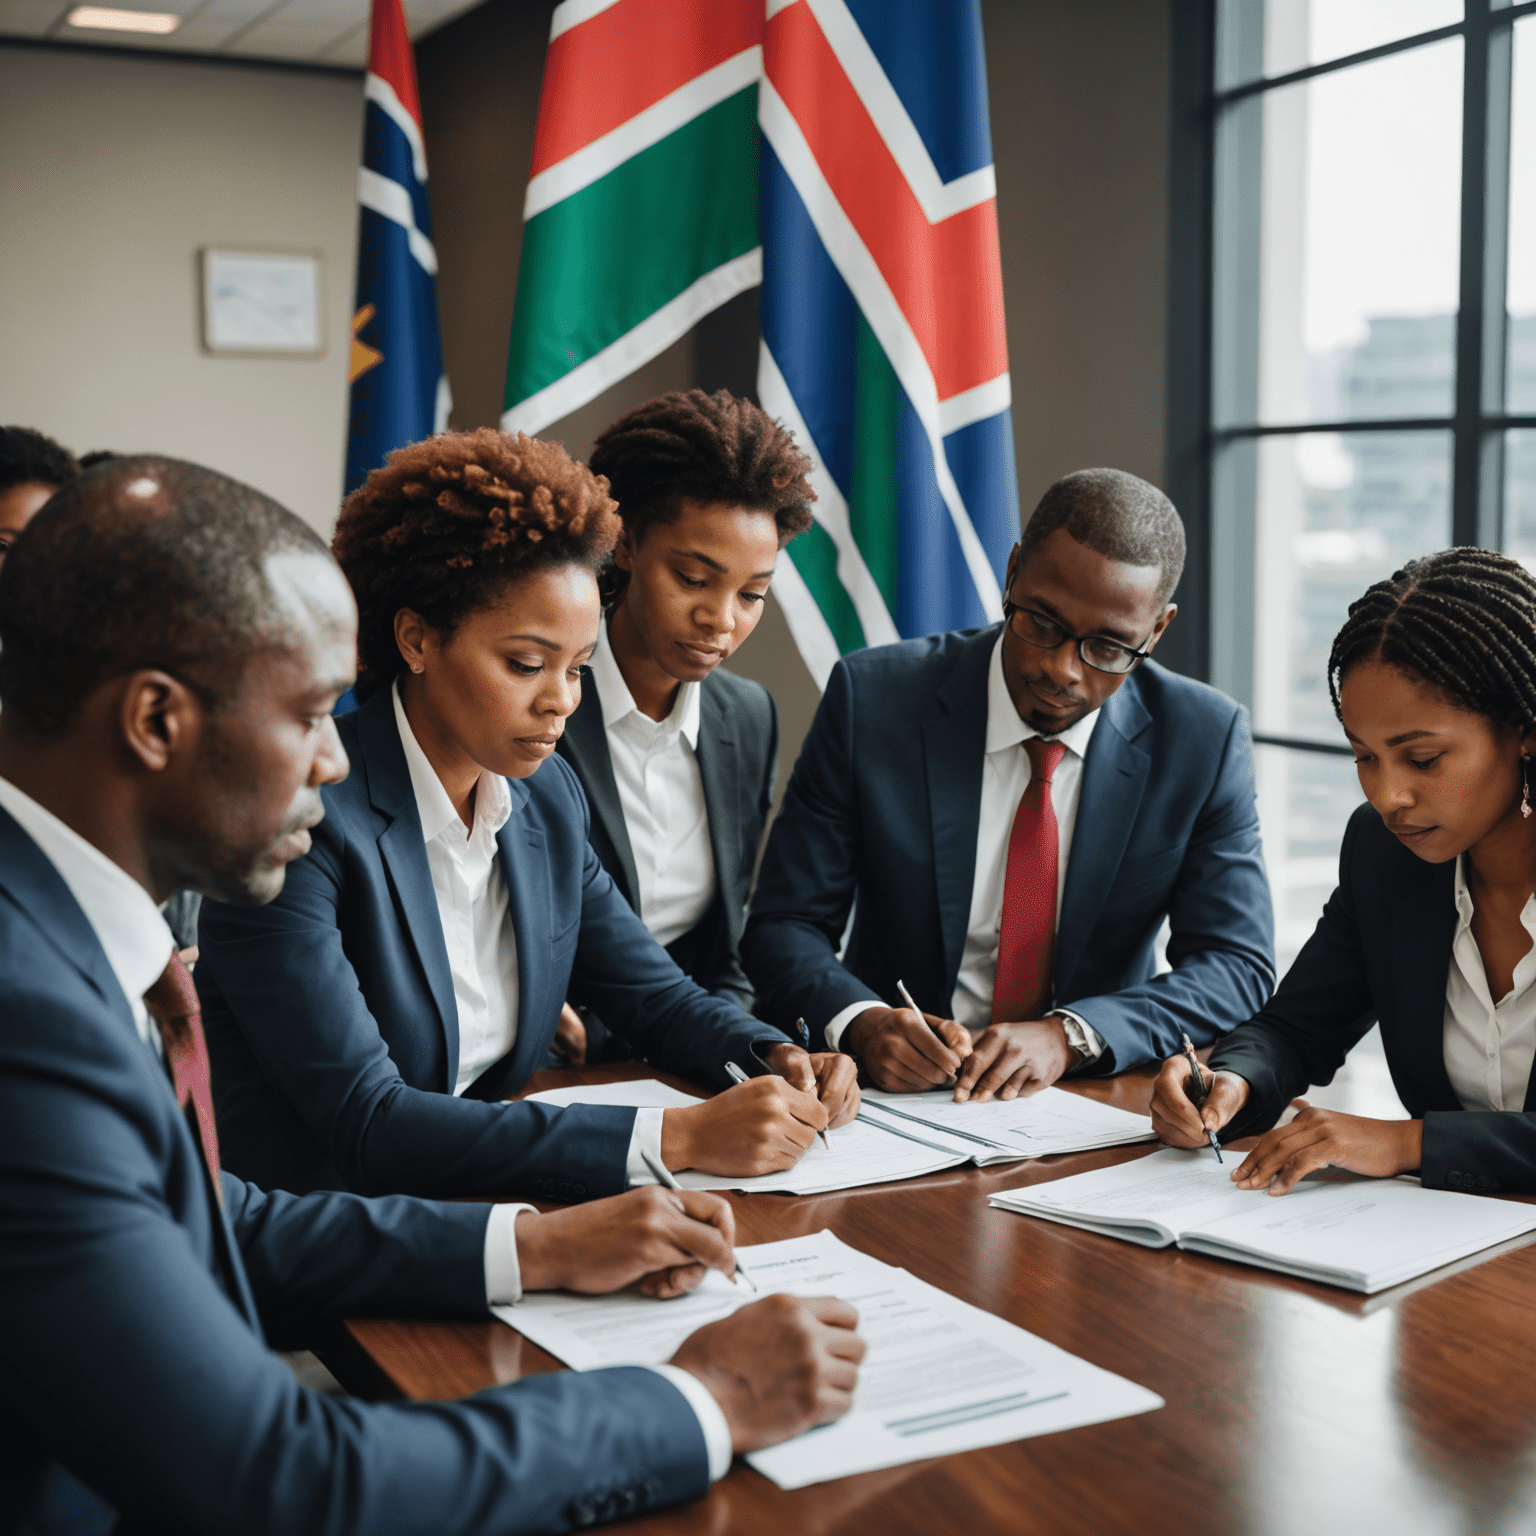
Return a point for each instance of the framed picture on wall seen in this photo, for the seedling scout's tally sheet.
(260, 303)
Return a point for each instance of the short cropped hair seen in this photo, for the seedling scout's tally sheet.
(29, 458)
(714, 448)
(448, 522)
(1116, 515)
(145, 562)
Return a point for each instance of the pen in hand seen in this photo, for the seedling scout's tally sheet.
(906, 998)
(1197, 1091)
(659, 1171)
(736, 1075)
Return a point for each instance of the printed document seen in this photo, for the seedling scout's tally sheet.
(1362, 1234)
(900, 1135)
(940, 1376)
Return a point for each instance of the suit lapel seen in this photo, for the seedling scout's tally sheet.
(585, 744)
(718, 771)
(1114, 776)
(954, 750)
(28, 876)
(404, 854)
(1423, 932)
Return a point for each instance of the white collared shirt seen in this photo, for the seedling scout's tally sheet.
(473, 903)
(657, 774)
(1489, 1047)
(1005, 775)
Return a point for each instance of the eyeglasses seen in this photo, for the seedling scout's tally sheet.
(1097, 652)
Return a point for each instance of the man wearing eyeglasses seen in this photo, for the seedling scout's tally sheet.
(1012, 814)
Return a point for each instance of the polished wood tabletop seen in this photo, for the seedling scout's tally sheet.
(1291, 1407)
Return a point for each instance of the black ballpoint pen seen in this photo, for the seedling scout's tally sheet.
(1197, 1090)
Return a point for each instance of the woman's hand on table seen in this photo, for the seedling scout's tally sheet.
(1324, 1138)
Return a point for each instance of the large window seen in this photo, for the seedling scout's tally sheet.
(1371, 384)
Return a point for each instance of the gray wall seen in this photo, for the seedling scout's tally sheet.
(1079, 93)
(113, 171)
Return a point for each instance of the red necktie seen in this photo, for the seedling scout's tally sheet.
(1027, 933)
(173, 1005)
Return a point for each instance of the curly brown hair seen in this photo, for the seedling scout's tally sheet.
(706, 448)
(448, 522)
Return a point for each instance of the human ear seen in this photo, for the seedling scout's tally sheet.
(411, 634)
(1012, 570)
(625, 550)
(1169, 613)
(159, 718)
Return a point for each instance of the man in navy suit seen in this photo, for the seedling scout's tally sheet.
(1017, 810)
(171, 644)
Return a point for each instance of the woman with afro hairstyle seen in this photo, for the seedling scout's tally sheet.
(365, 1027)
(1430, 930)
(678, 756)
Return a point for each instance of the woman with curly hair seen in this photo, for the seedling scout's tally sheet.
(677, 755)
(366, 1026)
(1430, 930)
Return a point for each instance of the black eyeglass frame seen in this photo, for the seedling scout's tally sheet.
(1010, 608)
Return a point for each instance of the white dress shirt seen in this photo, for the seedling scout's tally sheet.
(138, 946)
(1489, 1046)
(1005, 775)
(662, 794)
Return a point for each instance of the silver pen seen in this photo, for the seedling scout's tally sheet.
(663, 1176)
(906, 997)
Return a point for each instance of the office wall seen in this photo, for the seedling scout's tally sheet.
(1079, 96)
(113, 171)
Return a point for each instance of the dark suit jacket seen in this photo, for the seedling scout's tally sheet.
(738, 755)
(1381, 950)
(885, 802)
(331, 1020)
(137, 1391)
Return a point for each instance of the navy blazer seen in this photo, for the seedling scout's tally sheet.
(1381, 951)
(885, 802)
(738, 757)
(331, 1020)
(137, 1390)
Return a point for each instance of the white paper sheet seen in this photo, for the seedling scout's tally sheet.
(642, 1093)
(1046, 1123)
(940, 1376)
(860, 1153)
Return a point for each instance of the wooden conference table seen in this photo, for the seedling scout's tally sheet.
(1291, 1407)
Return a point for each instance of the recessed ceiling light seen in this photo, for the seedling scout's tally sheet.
(122, 21)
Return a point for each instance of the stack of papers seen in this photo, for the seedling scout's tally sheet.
(1362, 1234)
(902, 1135)
(941, 1376)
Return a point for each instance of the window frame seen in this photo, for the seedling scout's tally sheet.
(1213, 641)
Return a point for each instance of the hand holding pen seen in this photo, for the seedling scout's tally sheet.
(1196, 1088)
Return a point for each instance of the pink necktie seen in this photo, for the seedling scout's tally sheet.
(1027, 934)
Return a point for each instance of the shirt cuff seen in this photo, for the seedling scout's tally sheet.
(503, 1273)
(645, 1137)
(717, 1433)
(841, 1021)
(1081, 1035)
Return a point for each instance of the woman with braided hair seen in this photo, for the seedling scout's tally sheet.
(365, 1028)
(677, 755)
(1431, 927)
